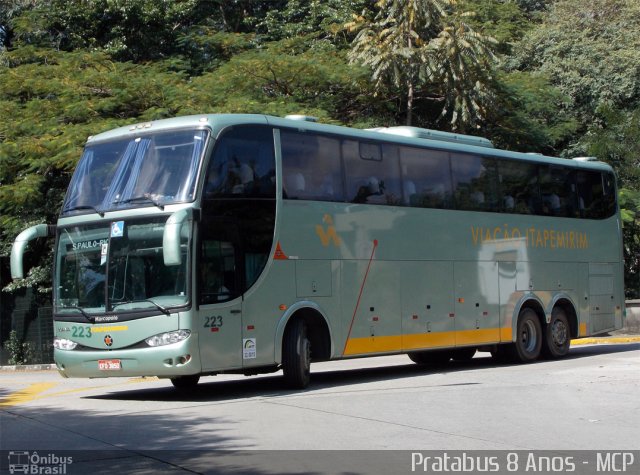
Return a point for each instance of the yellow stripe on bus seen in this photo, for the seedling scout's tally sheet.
(583, 329)
(117, 328)
(421, 341)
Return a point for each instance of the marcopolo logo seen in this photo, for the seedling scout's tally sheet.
(34, 463)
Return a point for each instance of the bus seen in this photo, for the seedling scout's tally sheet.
(249, 244)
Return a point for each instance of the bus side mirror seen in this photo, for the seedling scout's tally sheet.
(20, 244)
(171, 236)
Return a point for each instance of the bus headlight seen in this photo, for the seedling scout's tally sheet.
(63, 344)
(168, 338)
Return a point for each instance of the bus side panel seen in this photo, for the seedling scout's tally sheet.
(602, 289)
(477, 300)
(371, 300)
(509, 297)
(427, 305)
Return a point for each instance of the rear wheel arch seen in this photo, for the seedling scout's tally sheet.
(570, 311)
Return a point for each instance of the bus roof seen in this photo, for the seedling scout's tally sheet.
(401, 135)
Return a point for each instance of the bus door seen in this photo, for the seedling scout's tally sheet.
(477, 302)
(220, 295)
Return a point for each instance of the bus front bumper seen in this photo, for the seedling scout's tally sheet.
(177, 359)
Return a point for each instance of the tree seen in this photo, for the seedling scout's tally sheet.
(56, 100)
(414, 44)
(590, 49)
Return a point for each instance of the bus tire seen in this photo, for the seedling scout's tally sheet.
(557, 338)
(185, 382)
(528, 344)
(463, 354)
(433, 358)
(296, 355)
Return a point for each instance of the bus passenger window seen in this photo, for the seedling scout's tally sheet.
(558, 191)
(369, 179)
(596, 195)
(242, 164)
(519, 187)
(474, 181)
(427, 175)
(311, 167)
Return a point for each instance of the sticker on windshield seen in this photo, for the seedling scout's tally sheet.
(248, 348)
(104, 250)
(117, 229)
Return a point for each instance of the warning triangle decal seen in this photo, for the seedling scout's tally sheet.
(279, 255)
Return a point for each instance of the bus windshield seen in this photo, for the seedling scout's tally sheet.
(150, 170)
(118, 268)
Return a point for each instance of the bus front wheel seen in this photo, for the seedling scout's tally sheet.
(557, 338)
(296, 355)
(528, 344)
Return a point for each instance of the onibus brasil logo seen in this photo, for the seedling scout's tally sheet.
(34, 463)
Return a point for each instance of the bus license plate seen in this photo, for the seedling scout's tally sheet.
(109, 365)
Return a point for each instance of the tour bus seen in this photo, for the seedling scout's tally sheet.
(246, 244)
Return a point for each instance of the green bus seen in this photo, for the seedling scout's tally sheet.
(246, 244)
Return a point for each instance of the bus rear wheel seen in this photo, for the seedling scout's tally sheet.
(296, 355)
(528, 344)
(185, 382)
(557, 338)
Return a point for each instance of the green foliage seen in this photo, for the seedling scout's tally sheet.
(615, 138)
(275, 80)
(505, 21)
(20, 353)
(304, 18)
(530, 115)
(429, 45)
(591, 50)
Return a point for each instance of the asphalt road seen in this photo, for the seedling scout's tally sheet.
(588, 401)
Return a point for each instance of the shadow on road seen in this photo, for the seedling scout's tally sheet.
(272, 386)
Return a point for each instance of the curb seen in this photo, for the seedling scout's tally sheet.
(606, 340)
(29, 367)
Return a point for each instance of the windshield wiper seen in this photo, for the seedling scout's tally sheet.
(158, 306)
(145, 197)
(84, 314)
(76, 208)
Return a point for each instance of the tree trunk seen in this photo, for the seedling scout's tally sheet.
(409, 102)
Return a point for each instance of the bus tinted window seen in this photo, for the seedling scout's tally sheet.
(596, 195)
(519, 187)
(311, 167)
(426, 177)
(372, 181)
(475, 182)
(242, 164)
(557, 191)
